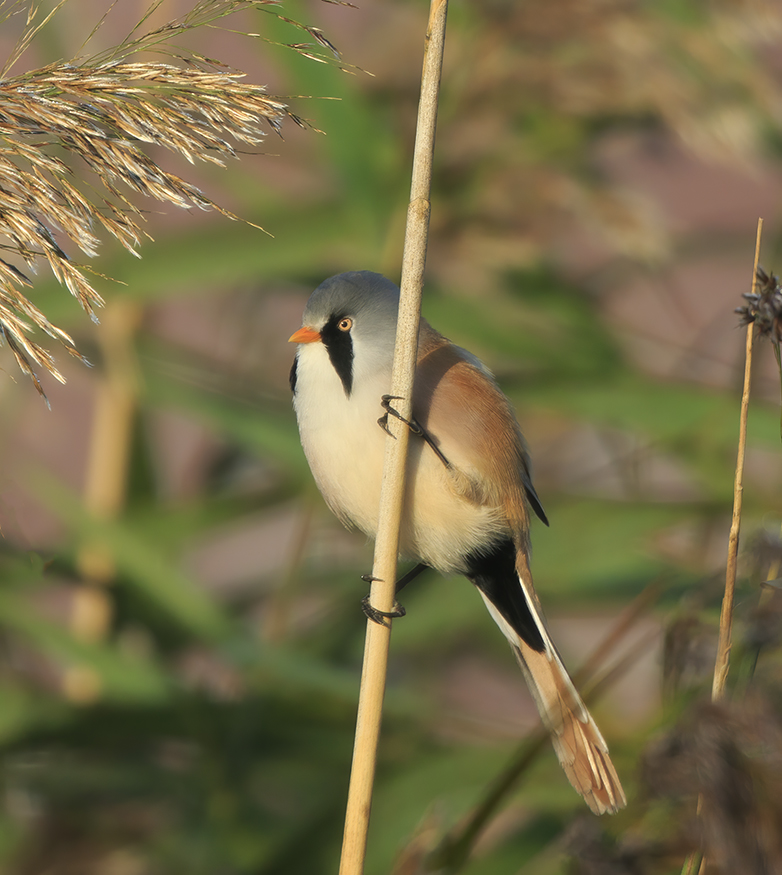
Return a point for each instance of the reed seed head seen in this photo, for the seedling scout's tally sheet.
(105, 112)
(764, 306)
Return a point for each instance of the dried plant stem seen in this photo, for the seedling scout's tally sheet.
(373, 678)
(726, 616)
(722, 664)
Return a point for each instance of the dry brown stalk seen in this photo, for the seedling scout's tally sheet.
(373, 676)
(722, 663)
(105, 111)
(726, 615)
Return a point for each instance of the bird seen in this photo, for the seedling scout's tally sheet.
(469, 494)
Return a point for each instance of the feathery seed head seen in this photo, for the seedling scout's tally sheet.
(105, 111)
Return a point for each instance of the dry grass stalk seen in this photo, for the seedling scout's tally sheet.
(373, 676)
(105, 110)
(726, 615)
(722, 663)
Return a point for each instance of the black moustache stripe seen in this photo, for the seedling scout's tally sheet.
(339, 345)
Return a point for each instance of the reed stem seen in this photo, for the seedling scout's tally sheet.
(373, 678)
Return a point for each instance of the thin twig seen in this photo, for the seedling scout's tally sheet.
(722, 663)
(373, 678)
(726, 616)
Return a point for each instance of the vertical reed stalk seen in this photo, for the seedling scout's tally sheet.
(373, 678)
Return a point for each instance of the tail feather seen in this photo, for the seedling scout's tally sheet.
(578, 743)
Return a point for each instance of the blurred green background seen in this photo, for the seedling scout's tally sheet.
(179, 613)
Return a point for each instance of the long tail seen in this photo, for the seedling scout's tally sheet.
(579, 745)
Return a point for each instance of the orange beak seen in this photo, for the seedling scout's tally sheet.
(304, 335)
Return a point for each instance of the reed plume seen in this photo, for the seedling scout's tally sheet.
(100, 114)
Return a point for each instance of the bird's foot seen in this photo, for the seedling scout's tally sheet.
(385, 403)
(381, 617)
(414, 426)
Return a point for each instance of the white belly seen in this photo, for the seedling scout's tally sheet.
(345, 448)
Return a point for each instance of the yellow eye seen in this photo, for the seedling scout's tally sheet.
(345, 324)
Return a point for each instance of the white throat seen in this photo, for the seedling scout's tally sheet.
(339, 432)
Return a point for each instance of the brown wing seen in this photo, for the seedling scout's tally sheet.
(474, 426)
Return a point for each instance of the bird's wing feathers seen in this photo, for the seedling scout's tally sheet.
(474, 426)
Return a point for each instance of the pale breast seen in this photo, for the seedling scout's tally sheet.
(345, 448)
(341, 439)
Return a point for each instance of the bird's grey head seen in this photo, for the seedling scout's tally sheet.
(355, 314)
(369, 299)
